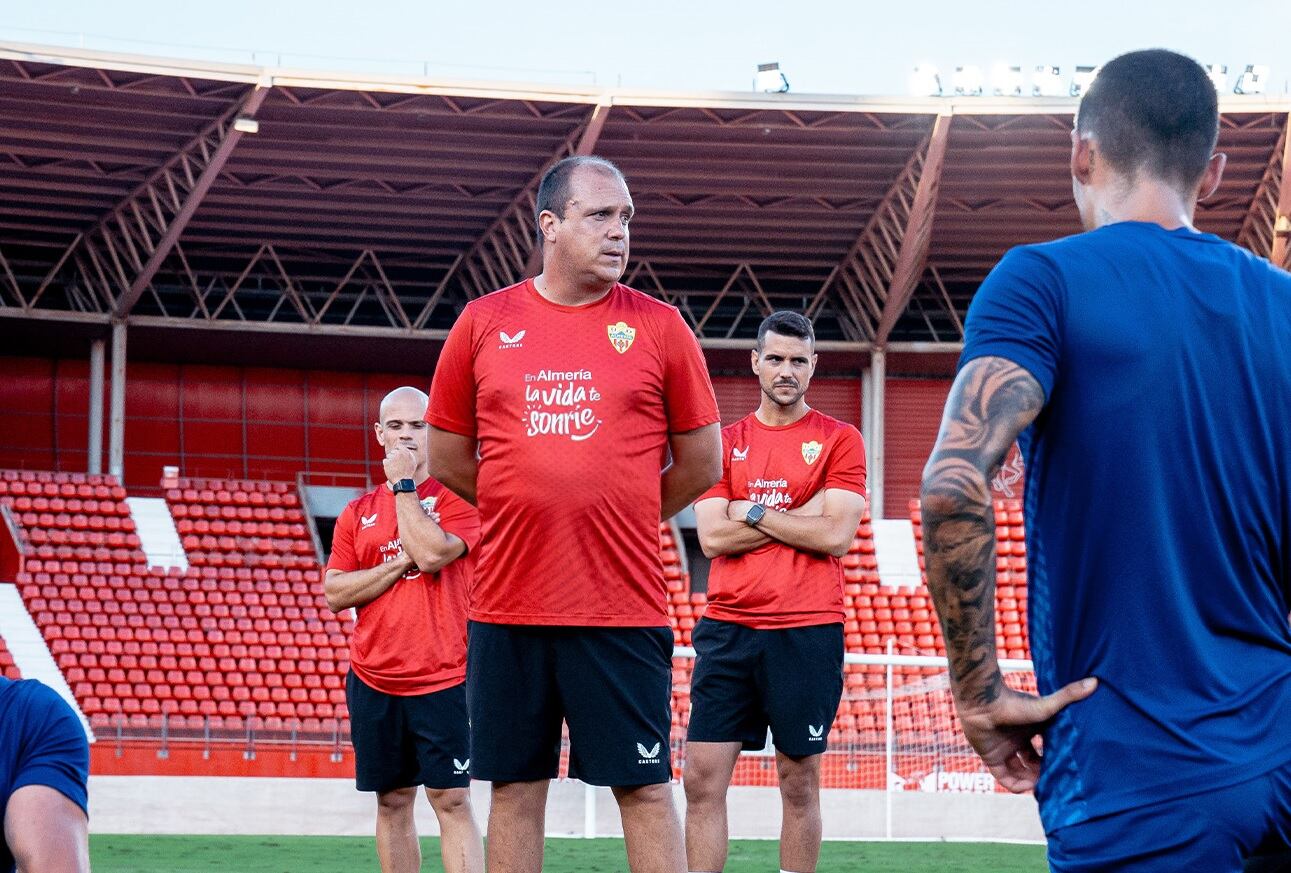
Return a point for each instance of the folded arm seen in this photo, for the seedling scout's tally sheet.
(344, 590)
(828, 532)
(430, 546)
(720, 535)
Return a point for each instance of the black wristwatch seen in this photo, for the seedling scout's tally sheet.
(404, 485)
(754, 515)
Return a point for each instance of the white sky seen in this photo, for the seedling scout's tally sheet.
(693, 45)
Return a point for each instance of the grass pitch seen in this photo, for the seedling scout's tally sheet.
(192, 854)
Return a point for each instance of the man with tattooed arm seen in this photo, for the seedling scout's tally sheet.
(1145, 369)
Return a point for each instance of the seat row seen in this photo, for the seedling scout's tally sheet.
(239, 499)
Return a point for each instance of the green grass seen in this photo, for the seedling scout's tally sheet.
(190, 854)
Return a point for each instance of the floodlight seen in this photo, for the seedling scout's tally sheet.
(968, 81)
(1047, 82)
(770, 79)
(1006, 81)
(1218, 74)
(246, 125)
(925, 82)
(1253, 80)
(1081, 79)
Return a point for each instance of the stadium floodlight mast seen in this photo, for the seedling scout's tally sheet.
(1006, 81)
(770, 79)
(925, 81)
(1047, 82)
(1253, 81)
(1081, 78)
(1218, 74)
(967, 81)
(246, 125)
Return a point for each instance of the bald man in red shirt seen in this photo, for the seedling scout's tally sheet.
(593, 416)
(400, 559)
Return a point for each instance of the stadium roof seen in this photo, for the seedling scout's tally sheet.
(370, 206)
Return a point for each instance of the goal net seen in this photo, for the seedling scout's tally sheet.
(895, 730)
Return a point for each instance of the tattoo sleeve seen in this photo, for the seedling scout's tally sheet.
(991, 402)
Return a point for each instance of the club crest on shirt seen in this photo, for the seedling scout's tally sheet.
(428, 504)
(811, 451)
(621, 336)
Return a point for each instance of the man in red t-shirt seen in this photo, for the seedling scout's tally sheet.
(576, 392)
(399, 559)
(770, 645)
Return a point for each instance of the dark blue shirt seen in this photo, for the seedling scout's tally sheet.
(42, 742)
(1158, 507)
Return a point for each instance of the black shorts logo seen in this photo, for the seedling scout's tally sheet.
(649, 756)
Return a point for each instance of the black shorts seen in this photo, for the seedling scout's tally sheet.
(401, 742)
(613, 686)
(746, 680)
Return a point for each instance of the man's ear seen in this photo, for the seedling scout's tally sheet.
(547, 221)
(1082, 157)
(1213, 176)
(753, 360)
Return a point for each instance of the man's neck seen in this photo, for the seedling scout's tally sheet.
(775, 415)
(558, 289)
(1150, 201)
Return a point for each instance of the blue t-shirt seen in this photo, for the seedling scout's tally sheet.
(1158, 507)
(42, 742)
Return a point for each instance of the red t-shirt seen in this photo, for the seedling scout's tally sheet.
(775, 585)
(412, 638)
(572, 406)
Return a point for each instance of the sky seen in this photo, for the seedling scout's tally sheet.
(700, 45)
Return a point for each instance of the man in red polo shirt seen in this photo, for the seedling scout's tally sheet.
(577, 392)
(770, 644)
(399, 559)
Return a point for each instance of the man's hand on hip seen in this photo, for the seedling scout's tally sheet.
(1003, 731)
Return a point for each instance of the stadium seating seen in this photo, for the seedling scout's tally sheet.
(232, 523)
(70, 517)
(8, 668)
(243, 638)
(239, 640)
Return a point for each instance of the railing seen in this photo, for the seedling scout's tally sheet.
(251, 736)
